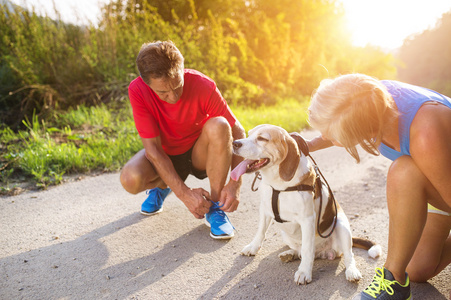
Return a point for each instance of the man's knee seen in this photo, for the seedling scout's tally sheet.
(130, 180)
(218, 129)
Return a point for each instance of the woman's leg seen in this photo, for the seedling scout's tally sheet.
(433, 252)
(407, 193)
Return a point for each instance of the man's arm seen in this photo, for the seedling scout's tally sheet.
(194, 199)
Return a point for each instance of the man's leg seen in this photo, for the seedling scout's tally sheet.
(139, 175)
(213, 153)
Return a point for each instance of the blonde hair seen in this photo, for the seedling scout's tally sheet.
(352, 109)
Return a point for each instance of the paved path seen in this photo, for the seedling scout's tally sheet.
(86, 240)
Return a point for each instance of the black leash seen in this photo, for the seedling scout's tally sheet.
(331, 196)
(303, 146)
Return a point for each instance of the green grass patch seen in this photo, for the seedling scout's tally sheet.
(83, 140)
(290, 114)
(99, 139)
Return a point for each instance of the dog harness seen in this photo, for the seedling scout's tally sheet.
(315, 188)
(275, 198)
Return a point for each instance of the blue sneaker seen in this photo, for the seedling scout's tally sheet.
(154, 202)
(219, 223)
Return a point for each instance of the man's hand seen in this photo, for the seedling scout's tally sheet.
(229, 198)
(197, 202)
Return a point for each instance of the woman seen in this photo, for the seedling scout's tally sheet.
(411, 126)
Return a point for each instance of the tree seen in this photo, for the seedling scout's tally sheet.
(426, 57)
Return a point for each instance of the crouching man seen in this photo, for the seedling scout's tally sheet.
(186, 127)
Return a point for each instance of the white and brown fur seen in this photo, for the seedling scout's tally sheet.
(289, 167)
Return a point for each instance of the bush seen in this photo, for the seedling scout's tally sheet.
(256, 51)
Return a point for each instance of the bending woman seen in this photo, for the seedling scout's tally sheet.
(411, 126)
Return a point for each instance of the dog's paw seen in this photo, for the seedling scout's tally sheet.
(302, 277)
(353, 274)
(250, 250)
(288, 255)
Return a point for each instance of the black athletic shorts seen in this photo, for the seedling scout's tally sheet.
(184, 166)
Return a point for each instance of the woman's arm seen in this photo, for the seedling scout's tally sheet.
(318, 143)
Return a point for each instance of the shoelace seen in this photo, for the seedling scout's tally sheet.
(158, 199)
(219, 213)
(379, 284)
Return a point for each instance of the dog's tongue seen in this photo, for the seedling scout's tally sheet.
(240, 169)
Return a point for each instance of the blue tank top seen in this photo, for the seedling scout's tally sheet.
(408, 99)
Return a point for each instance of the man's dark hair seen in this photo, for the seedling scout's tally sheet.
(159, 60)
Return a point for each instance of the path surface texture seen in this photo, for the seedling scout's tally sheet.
(87, 240)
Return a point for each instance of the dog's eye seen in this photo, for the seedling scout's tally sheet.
(262, 139)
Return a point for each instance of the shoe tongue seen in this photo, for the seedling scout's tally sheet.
(240, 169)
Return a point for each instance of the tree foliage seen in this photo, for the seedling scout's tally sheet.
(426, 57)
(258, 51)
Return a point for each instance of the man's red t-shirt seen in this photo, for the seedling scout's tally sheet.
(178, 125)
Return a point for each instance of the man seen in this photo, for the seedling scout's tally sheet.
(186, 127)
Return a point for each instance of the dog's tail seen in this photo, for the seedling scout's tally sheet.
(373, 249)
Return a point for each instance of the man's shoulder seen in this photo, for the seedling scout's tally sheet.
(136, 83)
(194, 76)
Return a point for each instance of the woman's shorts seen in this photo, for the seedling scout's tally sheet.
(435, 210)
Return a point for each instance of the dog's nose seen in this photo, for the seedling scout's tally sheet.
(237, 144)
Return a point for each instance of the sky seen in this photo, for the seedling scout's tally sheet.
(386, 23)
(382, 23)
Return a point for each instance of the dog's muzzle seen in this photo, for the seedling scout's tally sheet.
(237, 145)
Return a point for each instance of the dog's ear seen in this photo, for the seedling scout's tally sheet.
(289, 165)
(302, 144)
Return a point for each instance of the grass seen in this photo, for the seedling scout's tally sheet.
(289, 114)
(83, 140)
(100, 139)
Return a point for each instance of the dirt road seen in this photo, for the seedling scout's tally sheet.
(87, 240)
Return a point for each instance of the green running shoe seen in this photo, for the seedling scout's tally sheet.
(385, 287)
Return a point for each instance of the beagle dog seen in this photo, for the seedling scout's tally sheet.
(303, 205)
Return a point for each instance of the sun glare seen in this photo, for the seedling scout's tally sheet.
(72, 11)
(383, 23)
(386, 23)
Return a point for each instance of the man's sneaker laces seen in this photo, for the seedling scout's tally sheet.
(154, 202)
(219, 222)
